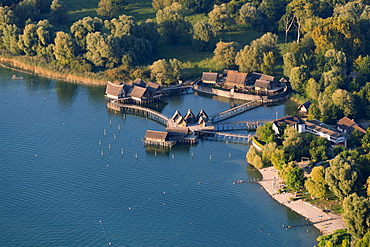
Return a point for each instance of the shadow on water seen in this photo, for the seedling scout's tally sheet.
(253, 172)
(96, 94)
(66, 93)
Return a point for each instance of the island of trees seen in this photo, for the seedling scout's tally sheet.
(322, 47)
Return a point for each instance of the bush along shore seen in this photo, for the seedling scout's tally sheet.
(32, 66)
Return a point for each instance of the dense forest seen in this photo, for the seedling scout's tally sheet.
(322, 47)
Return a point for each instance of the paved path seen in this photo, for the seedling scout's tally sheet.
(327, 223)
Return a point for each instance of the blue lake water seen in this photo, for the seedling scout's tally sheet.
(57, 189)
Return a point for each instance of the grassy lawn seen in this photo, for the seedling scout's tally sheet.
(332, 203)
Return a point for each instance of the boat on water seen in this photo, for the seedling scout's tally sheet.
(239, 182)
(14, 77)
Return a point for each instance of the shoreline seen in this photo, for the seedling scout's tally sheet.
(327, 223)
(27, 68)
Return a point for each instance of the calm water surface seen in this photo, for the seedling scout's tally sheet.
(57, 189)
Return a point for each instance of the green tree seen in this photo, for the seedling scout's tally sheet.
(64, 48)
(10, 39)
(366, 139)
(267, 67)
(278, 158)
(109, 8)
(290, 62)
(220, 17)
(248, 59)
(166, 72)
(293, 143)
(313, 89)
(293, 176)
(172, 24)
(356, 215)
(265, 133)
(102, 50)
(254, 158)
(338, 238)
(328, 110)
(161, 4)
(316, 184)
(344, 101)
(26, 9)
(250, 15)
(58, 12)
(225, 53)
(364, 241)
(81, 28)
(341, 177)
(298, 78)
(202, 34)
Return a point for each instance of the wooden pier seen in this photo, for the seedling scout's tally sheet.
(235, 111)
(242, 125)
(226, 137)
(142, 111)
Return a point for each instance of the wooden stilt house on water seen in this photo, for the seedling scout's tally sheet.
(160, 138)
(178, 119)
(138, 92)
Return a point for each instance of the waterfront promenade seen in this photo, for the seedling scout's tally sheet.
(327, 223)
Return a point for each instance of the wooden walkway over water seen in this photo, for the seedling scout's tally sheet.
(242, 125)
(143, 111)
(226, 137)
(235, 111)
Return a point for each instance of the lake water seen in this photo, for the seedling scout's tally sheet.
(57, 189)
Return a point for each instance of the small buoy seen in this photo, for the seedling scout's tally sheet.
(164, 203)
(129, 208)
(100, 221)
(36, 155)
(164, 192)
(107, 165)
(64, 123)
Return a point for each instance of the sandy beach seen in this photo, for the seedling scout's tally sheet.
(327, 223)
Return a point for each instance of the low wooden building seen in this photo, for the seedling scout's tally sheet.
(114, 91)
(160, 138)
(209, 78)
(235, 79)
